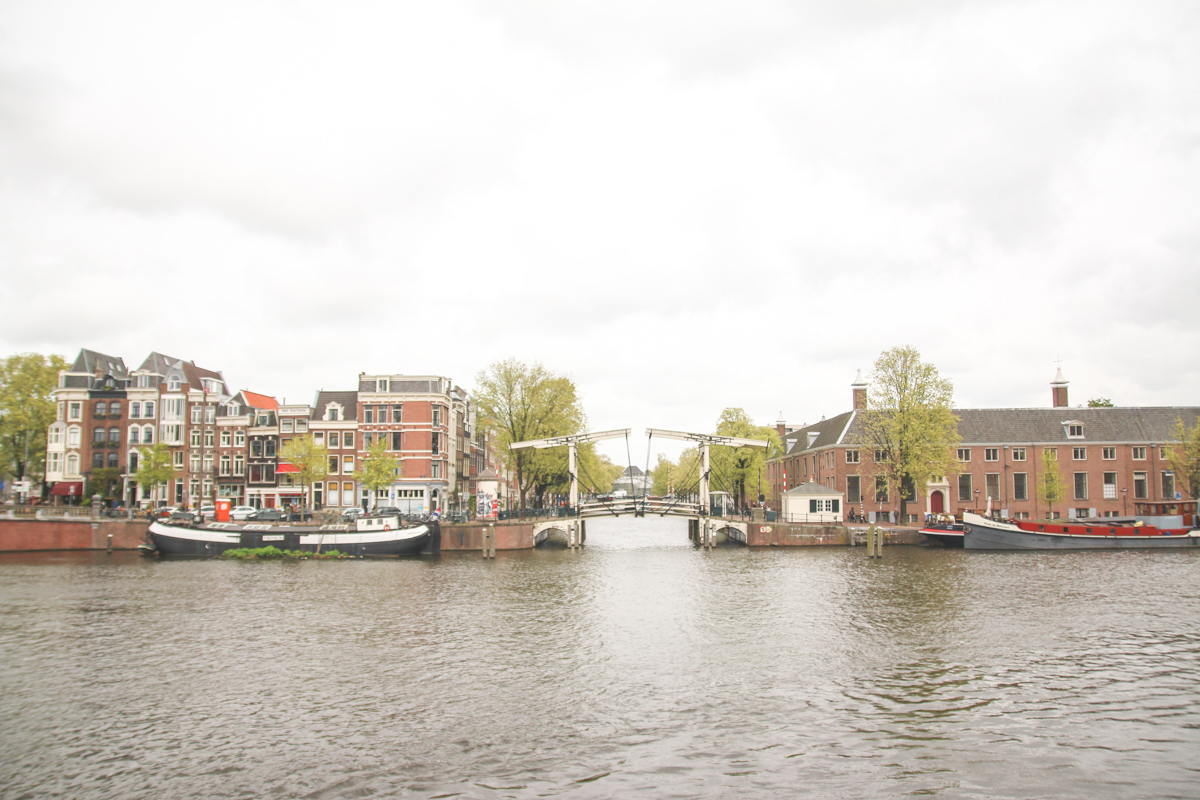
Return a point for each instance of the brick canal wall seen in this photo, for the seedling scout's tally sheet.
(469, 536)
(793, 535)
(20, 535)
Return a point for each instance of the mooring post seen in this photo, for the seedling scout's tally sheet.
(110, 543)
(489, 542)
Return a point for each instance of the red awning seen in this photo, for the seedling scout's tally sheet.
(284, 468)
(68, 489)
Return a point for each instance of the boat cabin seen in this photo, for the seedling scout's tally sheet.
(1167, 513)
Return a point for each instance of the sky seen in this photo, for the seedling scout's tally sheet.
(683, 206)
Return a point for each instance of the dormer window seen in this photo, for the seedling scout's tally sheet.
(382, 385)
(1074, 429)
(173, 383)
(333, 412)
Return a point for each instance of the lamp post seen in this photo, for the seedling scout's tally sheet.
(1124, 497)
(976, 501)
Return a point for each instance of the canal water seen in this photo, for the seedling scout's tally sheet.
(638, 667)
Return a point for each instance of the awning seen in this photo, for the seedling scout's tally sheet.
(71, 489)
(284, 468)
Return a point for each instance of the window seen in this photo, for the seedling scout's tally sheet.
(381, 385)
(852, 458)
(97, 460)
(98, 435)
(269, 448)
(435, 469)
(434, 444)
(239, 465)
(54, 462)
(256, 448)
(319, 438)
(173, 383)
(135, 409)
(334, 461)
(143, 381)
(369, 438)
(397, 409)
(148, 434)
(1018, 454)
(210, 415)
(381, 414)
(1081, 486)
(1075, 430)
(347, 465)
(285, 426)
(133, 463)
(1050, 453)
(334, 438)
(114, 409)
(225, 462)
(992, 485)
(437, 416)
(348, 439)
(225, 438)
(301, 425)
(1168, 485)
(368, 414)
(853, 493)
(880, 456)
(72, 464)
(1139, 454)
(194, 462)
(177, 459)
(101, 409)
(1108, 453)
(256, 473)
(73, 436)
(114, 435)
(823, 506)
(149, 408)
(196, 411)
(1079, 453)
(113, 461)
(1020, 486)
(194, 438)
(239, 438)
(881, 489)
(964, 454)
(74, 410)
(1110, 486)
(208, 463)
(233, 409)
(396, 439)
(991, 454)
(965, 488)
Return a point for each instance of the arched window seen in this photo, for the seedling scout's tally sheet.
(73, 436)
(114, 435)
(72, 463)
(135, 434)
(98, 435)
(150, 409)
(148, 435)
(97, 460)
(133, 462)
(114, 409)
(101, 408)
(112, 460)
(135, 410)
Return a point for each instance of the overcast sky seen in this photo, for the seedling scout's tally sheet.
(683, 206)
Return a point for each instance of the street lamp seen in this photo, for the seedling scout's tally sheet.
(976, 501)
(1124, 506)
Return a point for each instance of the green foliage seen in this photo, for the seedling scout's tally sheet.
(272, 553)
(909, 420)
(1100, 402)
(155, 465)
(1185, 456)
(379, 467)
(676, 477)
(26, 411)
(1050, 485)
(742, 467)
(310, 458)
(103, 480)
(522, 402)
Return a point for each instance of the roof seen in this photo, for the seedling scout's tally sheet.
(813, 490)
(828, 432)
(347, 400)
(255, 400)
(89, 361)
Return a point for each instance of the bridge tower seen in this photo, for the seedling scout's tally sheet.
(707, 529)
(572, 441)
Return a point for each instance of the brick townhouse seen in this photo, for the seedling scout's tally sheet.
(1108, 459)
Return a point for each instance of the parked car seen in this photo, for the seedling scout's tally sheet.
(386, 510)
(242, 512)
(208, 510)
(351, 514)
(183, 516)
(266, 515)
(299, 516)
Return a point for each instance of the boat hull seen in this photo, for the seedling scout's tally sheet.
(948, 537)
(217, 538)
(981, 533)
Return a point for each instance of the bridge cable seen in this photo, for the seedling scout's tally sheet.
(649, 440)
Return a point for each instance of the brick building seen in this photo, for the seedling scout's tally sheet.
(1108, 459)
(86, 445)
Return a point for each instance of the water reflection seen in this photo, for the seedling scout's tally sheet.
(637, 666)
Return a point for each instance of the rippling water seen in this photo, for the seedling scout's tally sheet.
(637, 667)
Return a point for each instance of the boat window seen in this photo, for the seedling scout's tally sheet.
(1041, 527)
(1089, 530)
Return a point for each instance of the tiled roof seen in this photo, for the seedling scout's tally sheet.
(347, 400)
(829, 432)
(89, 361)
(255, 400)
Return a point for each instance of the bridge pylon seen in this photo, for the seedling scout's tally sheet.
(572, 441)
(704, 441)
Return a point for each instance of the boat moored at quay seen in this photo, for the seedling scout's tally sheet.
(982, 533)
(947, 533)
(377, 536)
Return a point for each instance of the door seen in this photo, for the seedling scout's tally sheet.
(937, 503)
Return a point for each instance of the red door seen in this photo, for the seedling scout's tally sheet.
(937, 504)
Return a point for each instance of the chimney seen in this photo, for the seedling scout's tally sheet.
(860, 392)
(1058, 388)
(781, 426)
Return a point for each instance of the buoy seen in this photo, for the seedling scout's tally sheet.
(387, 527)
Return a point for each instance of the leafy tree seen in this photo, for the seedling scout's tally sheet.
(909, 420)
(521, 402)
(155, 465)
(103, 480)
(379, 467)
(682, 477)
(1100, 402)
(742, 467)
(1051, 487)
(309, 458)
(26, 411)
(1185, 456)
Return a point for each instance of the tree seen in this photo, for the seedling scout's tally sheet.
(1100, 402)
(379, 467)
(1185, 456)
(310, 459)
(26, 411)
(155, 465)
(909, 420)
(677, 478)
(742, 467)
(1051, 486)
(522, 402)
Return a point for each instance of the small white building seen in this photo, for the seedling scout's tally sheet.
(812, 502)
